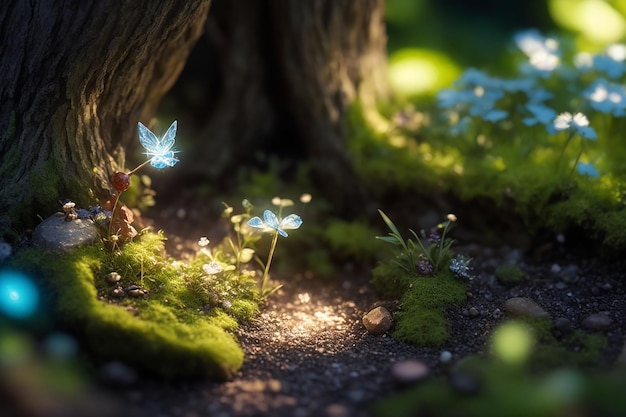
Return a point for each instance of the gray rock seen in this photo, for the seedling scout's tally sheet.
(5, 250)
(409, 371)
(378, 320)
(524, 307)
(564, 325)
(597, 321)
(55, 233)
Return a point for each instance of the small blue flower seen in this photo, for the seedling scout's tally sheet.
(577, 123)
(587, 169)
(271, 222)
(159, 150)
(543, 53)
(540, 115)
(607, 97)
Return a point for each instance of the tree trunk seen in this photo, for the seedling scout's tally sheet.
(77, 76)
(284, 74)
(331, 53)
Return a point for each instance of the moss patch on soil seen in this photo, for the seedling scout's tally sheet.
(180, 327)
(421, 318)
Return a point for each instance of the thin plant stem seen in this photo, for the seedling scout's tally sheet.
(268, 263)
(113, 212)
(567, 141)
(582, 148)
(139, 167)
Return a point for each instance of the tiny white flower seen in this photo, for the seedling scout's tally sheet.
(204, 241)
(577, 123)
(212, 268)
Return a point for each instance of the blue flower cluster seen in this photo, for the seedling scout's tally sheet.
(591, 83)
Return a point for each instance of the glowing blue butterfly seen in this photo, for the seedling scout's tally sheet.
(271, 222)
(159, 151)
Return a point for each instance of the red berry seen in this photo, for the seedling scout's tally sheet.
(121, 181)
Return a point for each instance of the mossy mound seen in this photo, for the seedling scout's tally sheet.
(551, 380)
(421, 319)
(178, 329)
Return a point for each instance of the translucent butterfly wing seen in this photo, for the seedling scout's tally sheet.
(256, 222)
(159, 150)
(270, 219)
(293, 221)
(148, 139)
(170, 136)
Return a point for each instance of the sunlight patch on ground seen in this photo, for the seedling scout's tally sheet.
(311, 320)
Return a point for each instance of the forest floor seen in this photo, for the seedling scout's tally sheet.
(308, 353)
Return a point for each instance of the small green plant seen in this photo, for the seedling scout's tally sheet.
(161, 156)
(424, 256)
(275, 225)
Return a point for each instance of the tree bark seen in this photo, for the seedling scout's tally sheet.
(76, 77)
(331, 52)
(287, 73)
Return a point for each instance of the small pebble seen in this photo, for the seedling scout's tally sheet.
(445, 356)
(563, 324)
(378, 321)
(113, 277)
(5, 251)
(524, 307)
(473, 312)
(409, 371)
(597, 321)
(118, 292)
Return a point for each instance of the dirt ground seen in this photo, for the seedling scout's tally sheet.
(308, 353)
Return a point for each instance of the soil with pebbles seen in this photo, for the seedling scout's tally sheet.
(308, 353)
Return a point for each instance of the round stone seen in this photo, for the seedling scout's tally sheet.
(113, 277)
(597, 321)
(409, 371)
(55, 233)
(117, 292)
(524, 307)
(378, 321)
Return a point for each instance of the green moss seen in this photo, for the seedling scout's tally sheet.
(391, 280)
(510, 274)
(421, 319)
(505, 389)
(522, 175)
(577, 349)
(423, 302)
(169, 333)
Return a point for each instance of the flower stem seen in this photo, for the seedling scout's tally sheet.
(268, 263)
(139, 167)
(117, 199)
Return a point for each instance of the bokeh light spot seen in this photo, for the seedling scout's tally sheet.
(19, 297)
(512, 342)
(414, 72)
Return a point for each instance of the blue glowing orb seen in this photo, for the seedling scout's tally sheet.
(19, 297)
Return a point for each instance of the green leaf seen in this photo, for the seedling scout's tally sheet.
(389, 223)
(389, 239)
